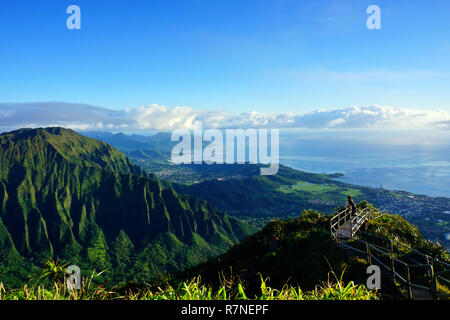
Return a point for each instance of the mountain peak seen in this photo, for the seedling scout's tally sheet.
(41, 146)
(25, 133)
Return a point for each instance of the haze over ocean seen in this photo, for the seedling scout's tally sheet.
(392, 159)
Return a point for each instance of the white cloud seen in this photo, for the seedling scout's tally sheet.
(163, 118)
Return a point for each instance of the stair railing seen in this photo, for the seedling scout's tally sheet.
(364, 215)
(356, 222)
(393, 259)
(337, 221)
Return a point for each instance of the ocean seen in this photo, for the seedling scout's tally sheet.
(414, 161)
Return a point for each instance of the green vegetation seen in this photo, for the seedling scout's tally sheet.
(68, 198)
(238, 190)
(397, 228)
(300, 252)
(396, 194)
(297, 251)
(191, 290)
(280, 195)
(293, 256)
(80, 200)
(319, 189)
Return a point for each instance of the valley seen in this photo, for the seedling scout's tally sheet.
(240, 191)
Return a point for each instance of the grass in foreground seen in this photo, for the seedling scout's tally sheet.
(192, 290)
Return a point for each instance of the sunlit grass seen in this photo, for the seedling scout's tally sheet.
(192, 290)
(318, 189)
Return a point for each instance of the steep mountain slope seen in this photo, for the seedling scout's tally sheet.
(297, 251)
(68, 196)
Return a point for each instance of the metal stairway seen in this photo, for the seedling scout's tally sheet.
(398, 261)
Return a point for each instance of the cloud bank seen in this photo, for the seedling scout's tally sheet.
(162, 118)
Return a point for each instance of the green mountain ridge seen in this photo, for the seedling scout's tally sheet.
(300, 252)
(278, 195)
(64, 195)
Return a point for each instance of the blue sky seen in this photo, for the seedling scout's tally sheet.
(238, 56)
